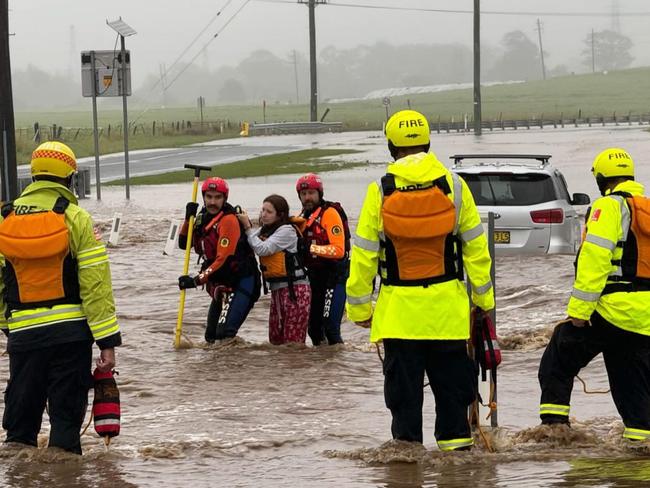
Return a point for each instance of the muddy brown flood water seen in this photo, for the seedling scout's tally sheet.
(245, 413)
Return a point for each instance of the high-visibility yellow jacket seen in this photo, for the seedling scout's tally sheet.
(436, 311)
(93, 316)
(605, 229)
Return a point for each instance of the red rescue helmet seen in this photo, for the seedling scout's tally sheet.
(214, 183)
(310, 181)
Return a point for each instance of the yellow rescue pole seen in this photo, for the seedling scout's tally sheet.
(188, 247)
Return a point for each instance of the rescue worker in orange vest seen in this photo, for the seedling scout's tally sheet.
(327, 241)
(609, 308)
(56, 300)
(420, 227)
(228, 269)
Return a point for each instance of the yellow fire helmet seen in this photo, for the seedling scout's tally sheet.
(407, 128)
(54, 159)
(613, 162)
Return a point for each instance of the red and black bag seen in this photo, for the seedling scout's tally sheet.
(106, 404)
(487, 352)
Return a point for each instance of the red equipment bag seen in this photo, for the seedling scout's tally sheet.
(106, 404)
(484, 336)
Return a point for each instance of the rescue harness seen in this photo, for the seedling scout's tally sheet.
(633, 268)
(420, 241)
(40, 270)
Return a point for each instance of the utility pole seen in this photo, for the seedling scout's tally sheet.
(313, 103)
(593, 53)
(541, 48)
(8, 140)
(477, 68)
(295, 75)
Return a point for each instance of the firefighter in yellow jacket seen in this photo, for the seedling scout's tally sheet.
(56, 301)
(420, 227)
(609, 308)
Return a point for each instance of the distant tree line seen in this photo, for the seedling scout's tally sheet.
(343, 73)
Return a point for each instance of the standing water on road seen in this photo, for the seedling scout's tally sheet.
(245, 413)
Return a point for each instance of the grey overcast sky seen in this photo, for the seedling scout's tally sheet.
(50, 34)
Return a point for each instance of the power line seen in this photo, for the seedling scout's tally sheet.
(205, 46)
(189, 46)
(471, 12)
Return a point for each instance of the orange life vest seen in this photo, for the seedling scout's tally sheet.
(40, 270)
(283, 265)
(419, 241)
(635, 260)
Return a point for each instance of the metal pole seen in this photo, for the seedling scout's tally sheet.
(541, 49)
(98, 186)
(125, 123)
(313, 104)
(477, 67)
(593, 53)
(491, 217)
(295, 75)
(8, 153)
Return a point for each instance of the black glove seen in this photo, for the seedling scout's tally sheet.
(186, 281)
(190, 210)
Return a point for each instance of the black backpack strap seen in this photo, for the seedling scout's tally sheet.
(388, 184)
(443, 184)
(60, 205)
(7, 208)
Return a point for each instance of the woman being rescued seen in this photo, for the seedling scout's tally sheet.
(277, 243)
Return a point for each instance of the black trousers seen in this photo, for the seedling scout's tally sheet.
(59, 375)
(452, 379)
(326, 309)
(627, 359)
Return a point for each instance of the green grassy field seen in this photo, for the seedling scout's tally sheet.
(317, 160)
(591, 94)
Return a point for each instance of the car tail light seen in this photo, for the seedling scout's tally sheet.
(551, 216)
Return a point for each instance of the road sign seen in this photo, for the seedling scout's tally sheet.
(107, 76)
(386, 101)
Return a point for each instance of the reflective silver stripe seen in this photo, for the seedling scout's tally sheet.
(359, 300)
(617, 272)
(366, 244)
(625, 215)
(101, 423)
(472, 234)
(585, 295)
(458, 199)
(601, 242)
(495, 346)
(18, 317)
(381, 188)
(480, 290)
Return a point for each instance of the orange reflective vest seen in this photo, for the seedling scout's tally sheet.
(419, 242)
(633, 268)
(40, 270)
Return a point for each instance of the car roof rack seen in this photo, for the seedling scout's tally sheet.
(541, 158)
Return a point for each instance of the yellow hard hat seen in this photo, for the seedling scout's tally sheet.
(613, 162)
(407, 128)
(55, 159)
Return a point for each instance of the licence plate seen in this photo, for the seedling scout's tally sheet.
(502, 237)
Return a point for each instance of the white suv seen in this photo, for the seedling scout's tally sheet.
(534, 212)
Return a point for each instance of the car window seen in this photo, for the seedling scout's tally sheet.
(509, 189)
(564, 191)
